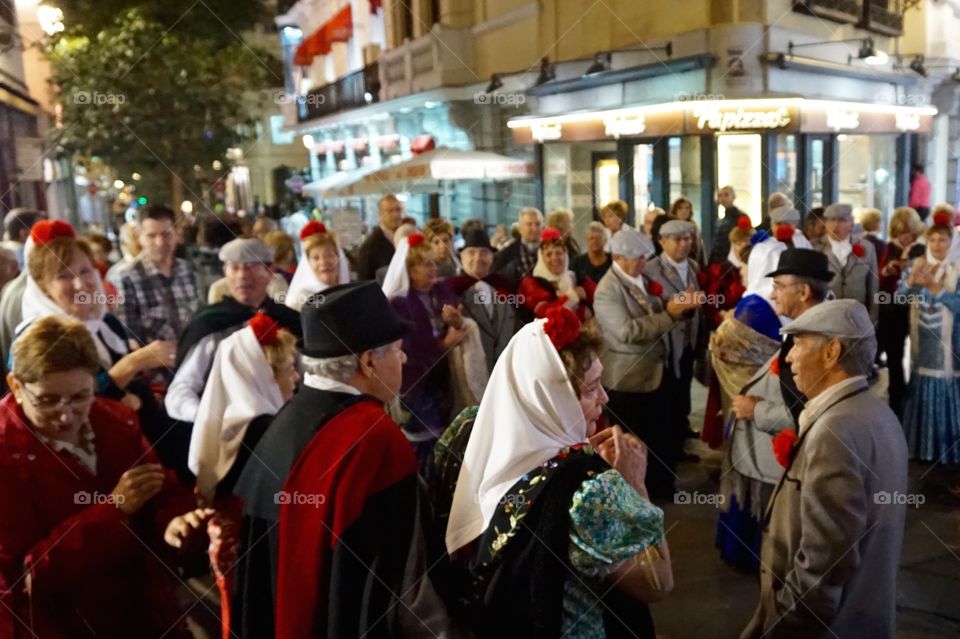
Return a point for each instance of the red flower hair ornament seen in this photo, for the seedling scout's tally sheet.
(783, 232)
(743, 222)
(858, 250)
(265, 328)
(550, 234)
(562, 326)
(784, 445)
(942, 218)
(312, 227)
(45, 231)
(415, 239)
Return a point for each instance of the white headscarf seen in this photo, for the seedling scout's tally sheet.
(305, 281)
(241, 386)
(529, 412)
(396, 283)
(37, 304)
(566, 282)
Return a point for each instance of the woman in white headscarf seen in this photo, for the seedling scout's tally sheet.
(445, 360)
(63, 281)
(551, 517)
(552, 282)
(239, 401)
(323, 265)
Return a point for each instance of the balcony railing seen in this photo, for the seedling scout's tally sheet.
(880, 19)
(844, 11)
(352, 91)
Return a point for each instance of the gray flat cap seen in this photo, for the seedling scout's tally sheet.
(785, 215)
(836, 318)
(628, 243)
(676, 227)
(838, 211)
(244, 251)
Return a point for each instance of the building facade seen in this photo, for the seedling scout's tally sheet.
(824, 100)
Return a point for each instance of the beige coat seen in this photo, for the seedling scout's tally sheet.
(831, 547)
(634, 325)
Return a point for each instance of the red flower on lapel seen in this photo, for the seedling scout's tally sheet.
(783, 446)
(654, 288)
(858, 250)
(783, 232)
(775, 367)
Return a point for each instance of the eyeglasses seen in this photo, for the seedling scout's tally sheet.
(57, 403)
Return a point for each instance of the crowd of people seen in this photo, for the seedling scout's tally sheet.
(442, 433)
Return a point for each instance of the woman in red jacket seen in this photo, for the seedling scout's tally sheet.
(83, 501)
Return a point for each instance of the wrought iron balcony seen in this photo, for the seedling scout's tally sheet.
(352, 91)
(844, 11)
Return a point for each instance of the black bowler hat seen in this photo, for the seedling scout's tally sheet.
(803, 262)
(348, 319)
(476, 238)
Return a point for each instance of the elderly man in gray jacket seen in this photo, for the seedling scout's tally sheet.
(634, 320)
(834, 531)
(854, 262)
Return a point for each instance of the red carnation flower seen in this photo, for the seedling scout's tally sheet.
(858, 250)
(550, 234)
(415, 239)
(265, 328)
(783, 446)
(942, 218)
(783, 232)
(312, 228)
(46, 231)
(562, 326)
(654, 288)
(743, 222)
(775, 367)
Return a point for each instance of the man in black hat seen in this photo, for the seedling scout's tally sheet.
(333, 540)
(488, 298)
(800, 282)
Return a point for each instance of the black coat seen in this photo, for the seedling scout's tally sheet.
(375, 252)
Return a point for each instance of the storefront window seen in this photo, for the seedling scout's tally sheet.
(685, 173)
(738, 165)
(580, 177)
(642, 178)
(786, 168)
(867, 172)
(815, 175)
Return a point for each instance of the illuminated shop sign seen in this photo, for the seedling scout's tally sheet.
(716, 118)
(787, 115)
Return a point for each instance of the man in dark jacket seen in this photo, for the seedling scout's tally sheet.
(518, 259)
(721, 240)
(377, 250)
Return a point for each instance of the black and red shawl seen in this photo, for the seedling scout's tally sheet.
(341, 545)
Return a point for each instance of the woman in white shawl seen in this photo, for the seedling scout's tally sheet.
(239, 401)
(62, 280)
(552, 282)
(322, 265)
(595, 542)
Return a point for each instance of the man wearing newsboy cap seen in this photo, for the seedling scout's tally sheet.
(834, 526)
(853, 262)
(634, 320)
(247, 269)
